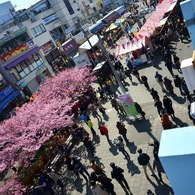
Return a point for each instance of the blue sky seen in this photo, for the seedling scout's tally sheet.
(21, 4)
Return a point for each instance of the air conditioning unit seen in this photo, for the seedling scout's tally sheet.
(32, 19)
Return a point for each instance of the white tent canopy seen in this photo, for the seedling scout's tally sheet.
(163, 21)
(172, 6)
(93, 40)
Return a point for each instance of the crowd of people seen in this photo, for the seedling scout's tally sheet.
(98, 179)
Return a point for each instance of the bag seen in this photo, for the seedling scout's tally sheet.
(102, 133)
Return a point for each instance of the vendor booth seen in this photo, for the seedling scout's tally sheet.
(137, 48)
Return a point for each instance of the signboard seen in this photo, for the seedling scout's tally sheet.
(40, 69)
(6, 92)
(50, 18)
(69, 46)
(81, 60)
(128, 105)
(47, 47)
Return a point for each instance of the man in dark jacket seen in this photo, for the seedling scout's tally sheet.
(145, 82)
(177, 82)
(117, 173)
(144, 160)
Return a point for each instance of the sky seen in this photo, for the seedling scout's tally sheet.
(21, 4)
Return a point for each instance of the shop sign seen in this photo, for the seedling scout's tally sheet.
(40, 69)
(6, 92)
(30, 43)
(47, 47)
(81, 60)
(69, 46)
(69, 30)
(50, 18)
(20, 82)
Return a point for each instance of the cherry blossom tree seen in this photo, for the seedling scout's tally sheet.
(22, 135)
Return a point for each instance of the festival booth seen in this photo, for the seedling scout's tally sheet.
(137, 47)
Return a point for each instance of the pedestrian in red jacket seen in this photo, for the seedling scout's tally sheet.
(104, 131)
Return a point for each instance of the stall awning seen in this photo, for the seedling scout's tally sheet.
(149, 27)
(163, 21)
(21, 58)
(8, 100)
(99, 65)
(136, 43)
(93, 40)
(172, 6)
(112, 27)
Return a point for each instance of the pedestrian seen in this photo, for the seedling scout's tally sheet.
(168, 64)
(177, 63)
(117, 174)
(165, 121)
(101, 92)
(122, 130)
(93, 109)
(145, 82)
(96, 188)
(104, 131)
(177, 82)
(107, 184)
(154, 94)
(100, 107)
(108, 89)
(51, 173)
(96, 168)
(120, 108)
(159, 80)
(67, 160)
(90, 125)
(169, 86)
(76, 162)
(158, 105)
(44, 182)
(168, 106)
(89, 145)
(114, 104)
(167, 56)
(128, 74)
(120, 145)
(139, 110)
(185, 90)
(136, 74)
(144, 161)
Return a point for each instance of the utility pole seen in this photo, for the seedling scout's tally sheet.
(110, 63)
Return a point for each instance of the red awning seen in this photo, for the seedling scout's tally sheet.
(137, 43)
(153, 21)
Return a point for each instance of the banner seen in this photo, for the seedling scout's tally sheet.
(128, 105)
(81, 60)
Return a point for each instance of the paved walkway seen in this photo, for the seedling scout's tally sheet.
(140, 133)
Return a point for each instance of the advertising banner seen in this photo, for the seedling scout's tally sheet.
(81, 60)
(128, 105)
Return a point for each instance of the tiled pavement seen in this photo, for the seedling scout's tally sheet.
(140, 133)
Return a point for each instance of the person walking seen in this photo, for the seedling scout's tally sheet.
(154, 94)
(158, 105)
(145, 82)
(144, 161)
(76, 162)
(177, 63)
(136, 74)
(185, 90)
(104, 131)
(100, 107)
(90, 125)
(117, 174)
(159, 80)
(51, 173)
(122, 130)
(107, 184)
(177, 82)
(168, 106)
(169, 86)
(96, 168)
(139, 110)
(165, 121)
(120, 145)
(114, 104)
(96, 188)
(128, 74)
(168, 64)
(93, 109)
(89, 145)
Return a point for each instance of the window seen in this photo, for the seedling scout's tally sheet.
(28, 65)
(38, 30)
(69, 7)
